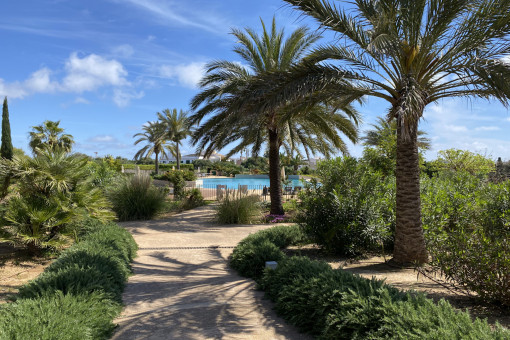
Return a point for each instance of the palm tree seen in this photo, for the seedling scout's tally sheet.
(293, 124)
(49, 135)
(154, 136)
(409, 53)
(385, 131)
(177, 127)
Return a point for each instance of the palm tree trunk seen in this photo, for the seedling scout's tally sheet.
(409, 239)
(275, 181)
(157, 163)
(178, 156)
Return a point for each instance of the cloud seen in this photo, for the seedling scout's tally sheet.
(102, 139)
(122, 97)
(187, 75)
(456, 128)
(81, 100)
(91, 72)
(487, 128)
(124, 51)
(174, 13)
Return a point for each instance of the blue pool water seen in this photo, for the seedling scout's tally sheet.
(233, 183)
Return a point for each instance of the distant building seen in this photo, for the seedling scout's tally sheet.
(188, 159)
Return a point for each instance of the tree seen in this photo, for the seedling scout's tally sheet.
(154, 136)
(381, 145)
(177, 127)
(49, 135)
(464, 161)
(225, 88)
(6, 149)
(410, 54)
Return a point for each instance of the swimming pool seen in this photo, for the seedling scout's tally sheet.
(233, 183)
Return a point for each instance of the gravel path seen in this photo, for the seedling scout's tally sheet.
(183, 288)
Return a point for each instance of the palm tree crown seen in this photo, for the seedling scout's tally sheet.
(410, 53)
(154, 136)
(50, 135)
(293, 124)
(177, 127)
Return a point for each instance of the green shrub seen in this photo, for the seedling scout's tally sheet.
(178, 179)
(238, 210)
(192, 198)
(351, 211)
(79, 294)
(251, 254)
(135, 198)
(59, 316)
(162, 167)
(466, 229)
(52, 190)
(335, 304)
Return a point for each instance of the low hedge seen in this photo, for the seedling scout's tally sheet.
(335, 304)
(162, 167)
(79, 294)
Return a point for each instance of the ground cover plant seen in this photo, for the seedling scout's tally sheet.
(334, 304)
(79, 294)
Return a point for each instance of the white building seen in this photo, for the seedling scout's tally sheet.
(188, 159)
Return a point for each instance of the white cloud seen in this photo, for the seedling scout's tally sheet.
(187, 75)
(456, 128)
(91, 72)
(487, 128)
(124, 51)
(176, 13)
(122, 97)
(102, 139)
(81, 100)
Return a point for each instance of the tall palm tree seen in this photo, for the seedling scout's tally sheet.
(177, 128)
(315, 127)
(384, 130)
(154, 136)
(50, 135)
(409, 53)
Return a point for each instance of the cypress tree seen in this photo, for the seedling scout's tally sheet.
(6, 150)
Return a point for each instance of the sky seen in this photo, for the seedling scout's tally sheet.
(105, 67)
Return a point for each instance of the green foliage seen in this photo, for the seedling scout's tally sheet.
(192, 198)
(251, 254)
(161, 166)
(6, 149)
(259, 163)
(177, 127)
(238, 209)
(49, 135)
(79, 294)
(178, 179)
(135, 198)
(351, 211)
(104, 172)
(53, 189)
(227, 168)
(467, 228)
(335, 304)
(464, 161)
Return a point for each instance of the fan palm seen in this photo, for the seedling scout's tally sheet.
(292, 124)
(50, 135)
(409, 53)
(154, 136)
(177, 128)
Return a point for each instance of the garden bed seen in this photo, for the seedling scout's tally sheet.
(407, 279)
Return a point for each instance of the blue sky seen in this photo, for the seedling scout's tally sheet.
(105, 67)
